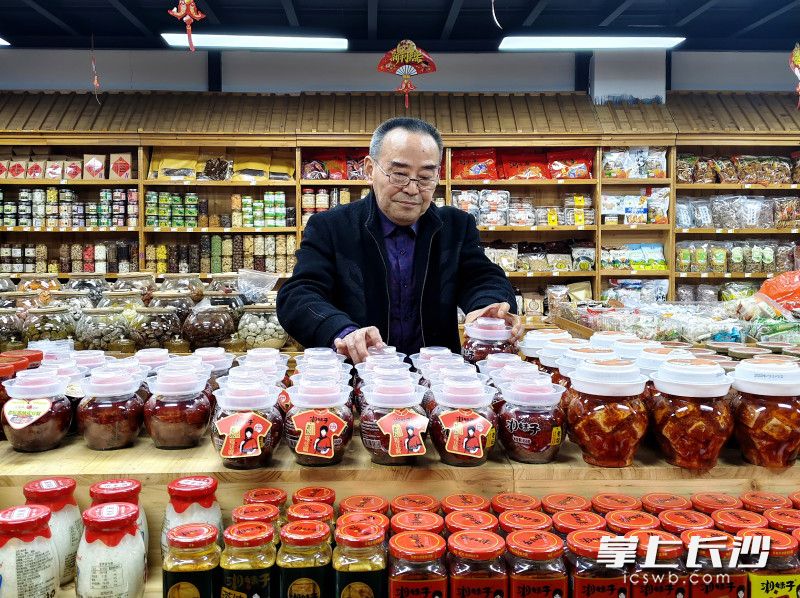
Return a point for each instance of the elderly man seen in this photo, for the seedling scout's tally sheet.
(392, 268)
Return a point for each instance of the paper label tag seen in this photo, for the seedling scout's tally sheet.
(404, 427)
(466, 430)
(21, 413)
(244, 434)
(318, 430)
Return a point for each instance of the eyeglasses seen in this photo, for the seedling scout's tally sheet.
(401, 180)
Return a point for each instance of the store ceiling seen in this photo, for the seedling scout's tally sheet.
(436, 25)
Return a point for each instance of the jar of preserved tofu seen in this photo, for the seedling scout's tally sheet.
(110, 415)
(192, 499)
(485, 336)
(28, 555)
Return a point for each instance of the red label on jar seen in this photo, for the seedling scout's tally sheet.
(466, 587)
(404, 428)
(21, 413)
(773, 586)
(244, 434)
(661, 584)
(465, 432)
(599, 587)
(318, 428)
(712, 585)
(418, 589)
(284, 401)
(526, 587)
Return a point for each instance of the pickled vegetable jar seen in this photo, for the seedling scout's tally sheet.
(553, 350)
(248, 560)
(589, 576)
(476, 564)
(623, 521)
(417, 566)
(566, 522)
(192, 499)
(783, 559)
(571, 359)
(485, 336)
(21, 301)
(417, 521)
(678, 521)
(191, 566)
(359, 560)
(606, 502)
(177, 413)
(510, 501)
(669, 555)
(516, 520)
(725, 581)
(761, 502)
(536, 566)
(426, 354)
(110, 415)
(37, 415)
(304, 559)
(27, 552)
(553, 503)
(98, 328)
(535, 340)
(48, 323)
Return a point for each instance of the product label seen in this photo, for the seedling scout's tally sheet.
(21, 413)
(404, 428)
(244, 434)
(28, 570)
(465, 587)
(773, 586)
(284, 401)
(418, 589)
(599, 587)
(304, 582)
(580, 217)
(735, 586)
(552, 218)
(368, 584)
(466, 429)
(521, 586)
(246, 583)
(194, 584)
(318, 428)
(661, 584)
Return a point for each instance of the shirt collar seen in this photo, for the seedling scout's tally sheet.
(388, 227)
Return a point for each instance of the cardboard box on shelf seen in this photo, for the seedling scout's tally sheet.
(94, 166)
(17, 168)
(35, 169)
(54, 170)
(73, 169)
(120, 167)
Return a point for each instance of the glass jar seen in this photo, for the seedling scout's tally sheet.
(184, 282)
(608, 502)
(536, 564)
(304, 559)
(192, 499)
(191, 566)
(248, 560)
(359, 561)
(21, 301)
(658, 502)
(262, 513)
(531, 422)
(715, 582)
(414, 502)
(94, 284)
(269, 496)
(110, 415)
(608, 418)
(6, 284)
(485, 336)
(66, 527)
(206, 327)
(566, 522)
(535, 340)
(40, 283)
(504, 376)
(782, 560)
(226, 281)
(177, 413)
(708, 502)
(588, 576)
(129, 301)
(233, 301)
(112, 555)
(259, 327)
(218, 360)
(75, 301)
(28, 553)
(142, 282)
(648, 581)
(99, 327)
(244, 423)
(623, 521)
(416, 521)
(313, 511)
(10, 327)
(154, 326)
(7, 371)
(417, 566)
(48, 323)
(459, 521)
(761, 502)
(515, 520)
(463, 425)
(37, 416)
(554, 350)
(476, 563)
(122, 490)
(319, 425)
(767, 414)
(180, 300)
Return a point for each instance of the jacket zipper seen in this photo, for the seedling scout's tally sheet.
(388, 296)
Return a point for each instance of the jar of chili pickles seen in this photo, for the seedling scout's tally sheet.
(485, 336)
(715, 581)
(417, 521)
(476, 564)
(536, 565)
(359, 560)
(535, 340)
(304, 559)
(417, 566)
(651, 581)
(191, 565)
(590, 577)
(248, 561)
(515, 520)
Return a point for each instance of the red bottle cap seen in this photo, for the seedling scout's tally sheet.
(569, 521)
(126, 490)
(511, 521)
(192, 535)
(248, 534)
(415, 502)
(314, 494)
(722, 539)
(364, 503)
(665, 551)
(413, 521)
(364, 518)
(417, 546)
(679, 520)
(735, 520)
(269, 496)
(18, 363)
(359, 535)
(553, 503)
(310, 511)
(656, 502)
(464, 502)
(7, 370)
(261, 512)
(191, 487)
(535, 545)
(305, 533)
(112, 516)
(708, 502)
(49, 490)
(459, 521)
(476, 545)
(607, 502)
(32, 356)
(783, 520)
(514, 501)
(761, 501)
(795, 498)
(623, 522)
(23, 519)
(781, 544)
(586, 542)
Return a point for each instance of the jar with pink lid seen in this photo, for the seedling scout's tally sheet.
(691, 419)
(219, 360)
(130, 367)
(38, 414)
(366, 367)
(90, 359)
(194, 364)
(486, 336)
(266, 357)
(535, 340)
(318, 356)
(426, 354)
(463, 425)
(110, 415)
(437, 378)
(507, 374)
(608, 418)
(438, 363)
(553, 350)
(152, 358)
(67, 368)
(397, 372)
(531, 422)
(497, 361)
(607, 338)
(330, 370)
(177, 413)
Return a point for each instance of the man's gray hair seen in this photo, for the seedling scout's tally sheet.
(413, 125)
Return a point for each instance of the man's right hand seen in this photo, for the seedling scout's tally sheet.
(356, 344)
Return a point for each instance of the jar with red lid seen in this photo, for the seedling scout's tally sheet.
(782, 560)
(259, 512)
(417, 521)
(111, 543)
(414, 502)
(33, 356)
(192, 563)
(783, 520)
(691, 418)
(734, 521)
(110, 415)
(38, 413)
(531, 422)
(269, 496)
(515, 520)
(122, 490)
(464, 502)
(677, 521)
(761, 502)
(248, 560)
(609, 501)
(192, 499)
(571, 359)
(66, 527)
(28, 555)
(712, 581)
(177, 413)
(553, 503)
(314, 494)
(588, 576)
(304, 559)
(608, 418)
(553, 350)
(665, 576)
(623, 521)
(708, 502)
(359, 560)
(566, 522)
(767, 413)
(459, 521)
(393, 424)
(535, 340)
(312, 511)
(416, 565)
(364, 503)
(486, 336)
(657, 502)
(476, 564)
(514, 501)
(319, 425)
(463, 426)
(536, 566)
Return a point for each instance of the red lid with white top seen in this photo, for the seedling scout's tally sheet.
(607, 338)
(191, 487)
(488, 329)
(767, 377)
(613, 378)
(24, 520)
(631, 348)
(192, 535)
(256, 512)
(105, 382)
(123, 490)
(461, 393)
(696, 378)
(112, 516)
(535, 340)
(52, 492)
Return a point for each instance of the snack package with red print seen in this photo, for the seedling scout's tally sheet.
(523, 164)
(477, 164)
(571, 164)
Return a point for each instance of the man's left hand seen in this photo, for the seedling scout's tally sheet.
(499, 310)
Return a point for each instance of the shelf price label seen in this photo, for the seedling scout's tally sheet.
(559, 181)
(156, 229)
(63, 181)
(634, 272)
(730, 231)
(704, 275)
(173, 229)
(727, 274)
(534, 228)
(102, 228)
(748, 185)
(62, 229)
(748, 274)
(581, 227)
(770, 274)
(508, 274)
(112, 228)
(718, 230)
(794, 186)
(253, 183)
(190, 230)
(203, 229)
(681, 274)
(684, 230)
(259, 229)
(632, 226)
(26, 229)
(491, 228)
(795, 231)
(529, 274)
(186, 182)
(227, 229)
(556, 273)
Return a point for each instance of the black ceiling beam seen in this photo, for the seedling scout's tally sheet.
(131, 17)
(537, 10)
(766, 19)
(372, 19)
(616, 13)
(205, 7)
(50, 17)
(455, 8)
(696, 13)
(291, 13)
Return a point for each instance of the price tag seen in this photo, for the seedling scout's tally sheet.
(748, 274)
(259, 229)
(684, 230)
(793, 186)
(490, 228)
(534, 228)
(486, 181)
(156, 229)
(747, 185)
(75, 229)
(227, 229)
(581, 227)
(727, 274)
(63, 181)
(112, 228)
(62, 229)
(559, 181)
(634, 226)
(190, 230)
(203, 229)
(529, 274)
(173, 229)
(681, 274)
(634, 272)
(730, 231)
(26, 229)
(103, 228)
(795, 231)
(704, 275)
(580, 218)
(770, 274)
(186, 182)
(718, 230)
(131, 228)
(253, 183)
(556, 273)
(508, 274)
(49, 229)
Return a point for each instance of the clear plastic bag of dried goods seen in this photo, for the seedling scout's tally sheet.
(254, 286)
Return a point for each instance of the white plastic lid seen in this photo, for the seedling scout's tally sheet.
(383, 350)
(216, 357)
(537, 339)
(488, 329)
(513, 371)
(651, 358)
(140, 372)
(55, 355)
(455, 371)
(173, 383)
(315, 361)
(43, 386)
(767, 377)
(390, 373)
(319, 394)
(463, 393)
(105, 382)
(393, 393)
(575, 355)
(631, 348)
(69, 368)
(371, 363)
(243, 395)
(269, 374)
(340, 373)
(152, 357)
(607, 338)
(317, 351)
(426, 354)
(555, 348)
(535, 391)
(694, 378)
(440, 362)
(613, 378)
(90, 359)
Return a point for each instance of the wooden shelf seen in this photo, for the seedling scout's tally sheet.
(545, 228)
(730, 186)
(195, 183)
(69, 182)
(635, 273)
(728, 275)
(219, 229)
(69, 229)
(329, 183)
(736, 231)
(552, 274)
(522, 183)
(637, 182)
(634, 227)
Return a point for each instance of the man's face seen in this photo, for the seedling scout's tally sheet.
(414, 155)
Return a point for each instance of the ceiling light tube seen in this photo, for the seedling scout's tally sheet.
(3, 42)
(544, 43)
(258, 42)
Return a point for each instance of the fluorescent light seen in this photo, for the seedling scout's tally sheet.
(3, 42)
(526, 43)
(257, 42)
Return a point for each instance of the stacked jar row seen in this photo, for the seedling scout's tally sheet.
(119, 256)
(60, 207)
(20, 258)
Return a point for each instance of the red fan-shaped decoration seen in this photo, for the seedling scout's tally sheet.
(406, 60)
(187, 12)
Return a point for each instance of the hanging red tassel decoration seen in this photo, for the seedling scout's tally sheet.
(187, 12)
(406, 60)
